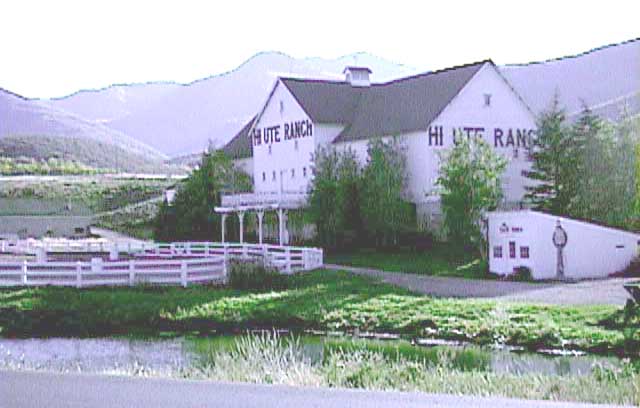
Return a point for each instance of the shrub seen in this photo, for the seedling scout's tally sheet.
(254, 275)
(521, 274)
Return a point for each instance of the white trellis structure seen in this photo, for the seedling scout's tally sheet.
(259, 203)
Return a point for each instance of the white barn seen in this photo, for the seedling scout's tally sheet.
(427, 112)
(526, 239)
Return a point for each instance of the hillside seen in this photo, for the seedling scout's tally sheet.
(606, 79)
(89, 152)
(181, 119)
(30, 128)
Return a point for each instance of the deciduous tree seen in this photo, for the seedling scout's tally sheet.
(384, 209)
(196, 199)
(469, 185)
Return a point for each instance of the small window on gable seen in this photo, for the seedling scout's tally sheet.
(304, 172)
(264, 176)
(487, 99)
(293, 173)
(497, 251)
(295, 144)
(273, 175)
(281, 106)
(269, 149)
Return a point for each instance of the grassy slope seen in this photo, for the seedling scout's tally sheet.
(441, 260)
(90, 152)
(99, 194)
(321, 300)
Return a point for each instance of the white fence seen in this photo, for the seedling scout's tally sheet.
(180, 263)
(99, 273)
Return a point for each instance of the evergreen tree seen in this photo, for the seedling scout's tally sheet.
(593, 164)
(554, 172)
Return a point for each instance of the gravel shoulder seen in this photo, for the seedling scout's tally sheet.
(593, 292)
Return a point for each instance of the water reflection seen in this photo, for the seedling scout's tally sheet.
(124, 354)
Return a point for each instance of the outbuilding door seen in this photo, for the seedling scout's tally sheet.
(507, 254)
(516, 252)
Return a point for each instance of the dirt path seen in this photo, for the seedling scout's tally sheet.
(606, 291)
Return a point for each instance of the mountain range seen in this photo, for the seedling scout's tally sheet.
(168, 120)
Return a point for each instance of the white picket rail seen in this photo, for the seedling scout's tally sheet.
(180, 263)
(122, 273)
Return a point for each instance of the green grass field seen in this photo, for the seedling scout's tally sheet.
(441, 260)
(324, 300)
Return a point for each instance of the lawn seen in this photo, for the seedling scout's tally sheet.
(441, 260)
(324, 300)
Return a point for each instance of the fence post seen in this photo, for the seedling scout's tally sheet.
(132, 272)
(224, 263)
(24, 272)
(265, 255)
(78, 274)
(305, 259)
(287, 252)
(183, 273)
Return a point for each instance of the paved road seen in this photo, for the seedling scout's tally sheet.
(605, 291)
(30, 389)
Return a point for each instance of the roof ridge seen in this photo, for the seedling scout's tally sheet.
(439, 71)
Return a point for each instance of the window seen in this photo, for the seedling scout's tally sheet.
(264, 176)
(281, 106)
(497, 251)
(295, 144)
(487, 99)
(269, 149)
(293, 173)
(273, 177)
(78, 230)
(304, 172)
(512, 249)
(524, 252)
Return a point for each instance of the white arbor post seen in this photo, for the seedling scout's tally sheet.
(224, 221)
(260, 215)
(241, 220)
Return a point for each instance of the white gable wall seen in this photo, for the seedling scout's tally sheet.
(498, 124)
(285, 163)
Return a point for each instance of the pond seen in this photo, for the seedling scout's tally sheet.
(171, 355)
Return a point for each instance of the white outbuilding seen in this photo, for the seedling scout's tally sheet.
(554, 247)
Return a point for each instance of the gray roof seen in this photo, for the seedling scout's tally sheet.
(239, 147)
(395, 107)
(405, 105)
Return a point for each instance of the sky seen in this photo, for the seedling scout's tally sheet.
(54, 48)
